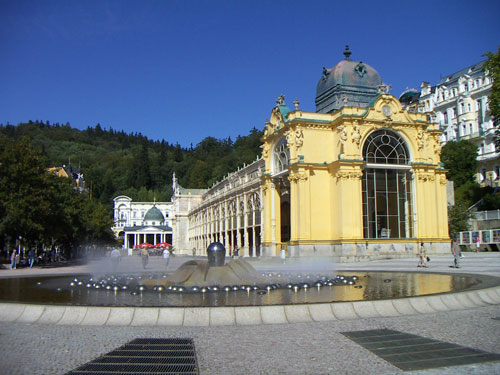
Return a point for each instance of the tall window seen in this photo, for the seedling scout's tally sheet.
(387, 181)
(281, 156)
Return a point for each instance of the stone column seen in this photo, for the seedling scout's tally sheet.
(245, 250)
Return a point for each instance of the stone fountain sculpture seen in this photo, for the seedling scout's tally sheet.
(215, 271)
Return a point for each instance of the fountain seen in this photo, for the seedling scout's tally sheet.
(215, 283)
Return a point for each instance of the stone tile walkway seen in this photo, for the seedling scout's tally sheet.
(299, 348)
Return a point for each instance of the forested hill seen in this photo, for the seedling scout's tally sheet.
(114, 163)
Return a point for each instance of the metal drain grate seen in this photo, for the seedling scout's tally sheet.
(412, 352)
(146, 356)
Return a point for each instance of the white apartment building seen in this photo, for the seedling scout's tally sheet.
(459, 103)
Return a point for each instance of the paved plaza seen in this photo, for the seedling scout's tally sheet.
(298, 348)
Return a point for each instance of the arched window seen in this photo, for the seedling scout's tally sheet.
(385, 147)
(387, 186)
(281, 156)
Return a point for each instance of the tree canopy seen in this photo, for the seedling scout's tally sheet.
(492, 67)
(115, 163)
(460, 159)
(42, 208)
(39, 208)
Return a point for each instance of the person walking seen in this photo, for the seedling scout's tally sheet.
(13, 260)
(422, 252)
(31, 257)
(478, 244)
(166, 257)
(456, 251)
(145, 257)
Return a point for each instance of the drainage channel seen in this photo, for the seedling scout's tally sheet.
(412, 352)
(146, 356)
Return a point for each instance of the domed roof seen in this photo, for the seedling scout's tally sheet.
(409, 96)
(154, 214)
(351, 83)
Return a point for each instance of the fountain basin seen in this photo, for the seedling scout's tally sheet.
(143, 290)
(484, 290)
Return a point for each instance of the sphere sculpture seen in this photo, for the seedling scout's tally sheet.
(216, 253)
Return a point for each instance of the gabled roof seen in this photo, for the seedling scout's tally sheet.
(455, 76)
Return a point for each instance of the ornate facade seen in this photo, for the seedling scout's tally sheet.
(356, 183)
(358, 179)
(459, 104)
(139, 222)
(230, 213)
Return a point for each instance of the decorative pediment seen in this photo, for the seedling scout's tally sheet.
(388, 109)
(278, 117)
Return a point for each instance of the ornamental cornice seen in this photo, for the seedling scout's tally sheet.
(297, 177)
(349, 175)
(311, 125)
(426, 176)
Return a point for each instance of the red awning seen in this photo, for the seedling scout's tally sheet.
(162, 244)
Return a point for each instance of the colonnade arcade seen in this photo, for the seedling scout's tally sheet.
(234, 221)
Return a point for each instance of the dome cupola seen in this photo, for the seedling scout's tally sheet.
(349, 83)
(154, 216)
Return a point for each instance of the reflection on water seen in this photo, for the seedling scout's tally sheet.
(370, 286)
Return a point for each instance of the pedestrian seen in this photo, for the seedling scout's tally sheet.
(166, 257)
(31, 257)
(422, 252)
(13, 259)
(478, 244)
(145, 257)
(456, 251)
(115, 258)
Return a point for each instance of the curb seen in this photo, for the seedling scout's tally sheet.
(247, 315)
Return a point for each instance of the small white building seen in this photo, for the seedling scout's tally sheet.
(139, 222)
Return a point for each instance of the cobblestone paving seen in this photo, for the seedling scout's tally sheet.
(305, 348)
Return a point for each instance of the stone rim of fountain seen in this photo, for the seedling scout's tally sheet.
(477, 296)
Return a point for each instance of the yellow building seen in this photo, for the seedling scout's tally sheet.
(360, 178)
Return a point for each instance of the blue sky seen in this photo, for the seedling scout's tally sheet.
(184, 70)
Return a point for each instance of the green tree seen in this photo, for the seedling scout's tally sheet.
(39, 208)
(460, 159)
(458, 218)
(25, 193)
(492, 67)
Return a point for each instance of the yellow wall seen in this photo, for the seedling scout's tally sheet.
(326, 169)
